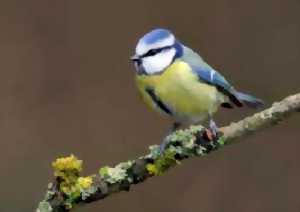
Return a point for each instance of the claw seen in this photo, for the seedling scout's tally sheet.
(209, 134)
(212, 133)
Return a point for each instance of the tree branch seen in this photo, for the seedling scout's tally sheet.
(69, 189)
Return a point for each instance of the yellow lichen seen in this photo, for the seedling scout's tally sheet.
(151, 168)
(70, 189)
(84, 182)
(68, 170)
(67, 164)
(71, 184)
(162, 163)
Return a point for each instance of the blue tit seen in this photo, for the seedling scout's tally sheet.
(175, 81)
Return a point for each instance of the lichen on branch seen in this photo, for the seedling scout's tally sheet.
(70, 188)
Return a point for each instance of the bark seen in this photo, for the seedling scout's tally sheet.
(69, 189)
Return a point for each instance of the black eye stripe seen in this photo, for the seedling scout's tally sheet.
(152, 52)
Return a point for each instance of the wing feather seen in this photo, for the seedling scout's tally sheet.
(207, 74)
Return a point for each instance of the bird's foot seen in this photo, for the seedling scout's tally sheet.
(212, 133)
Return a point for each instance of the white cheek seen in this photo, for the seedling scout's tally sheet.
(158, 62)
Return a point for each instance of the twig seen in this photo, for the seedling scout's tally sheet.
(69, 189)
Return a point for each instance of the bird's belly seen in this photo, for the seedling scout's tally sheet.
(180, 90)
(190, 101)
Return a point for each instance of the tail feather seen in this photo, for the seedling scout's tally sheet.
(249, 100)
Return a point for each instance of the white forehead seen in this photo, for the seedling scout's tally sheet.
(155, 39)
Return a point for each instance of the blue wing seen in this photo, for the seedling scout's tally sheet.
(212, 77)
(207, 74)
(203, 70)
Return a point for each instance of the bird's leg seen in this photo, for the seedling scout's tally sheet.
(213, 127)
(163, 145)
(212, 132)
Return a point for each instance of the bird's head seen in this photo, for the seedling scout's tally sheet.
(155, 51)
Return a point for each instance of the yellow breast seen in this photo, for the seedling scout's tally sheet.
(181, 91)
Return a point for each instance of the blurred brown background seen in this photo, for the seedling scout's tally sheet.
(67, 87)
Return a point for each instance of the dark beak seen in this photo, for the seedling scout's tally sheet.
(135, 58)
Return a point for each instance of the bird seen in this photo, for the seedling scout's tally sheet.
(176, 81)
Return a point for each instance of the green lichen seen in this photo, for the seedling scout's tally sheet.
(74, 188)
(117, 173)
(185, 135)
(186, 138)
(200, 150)
(87, 193)
(194, 129)
(44, 207)
(180, 135)
(180, 143)
(154, 152)
(50, 193)
(222, 141)
(162, 163)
